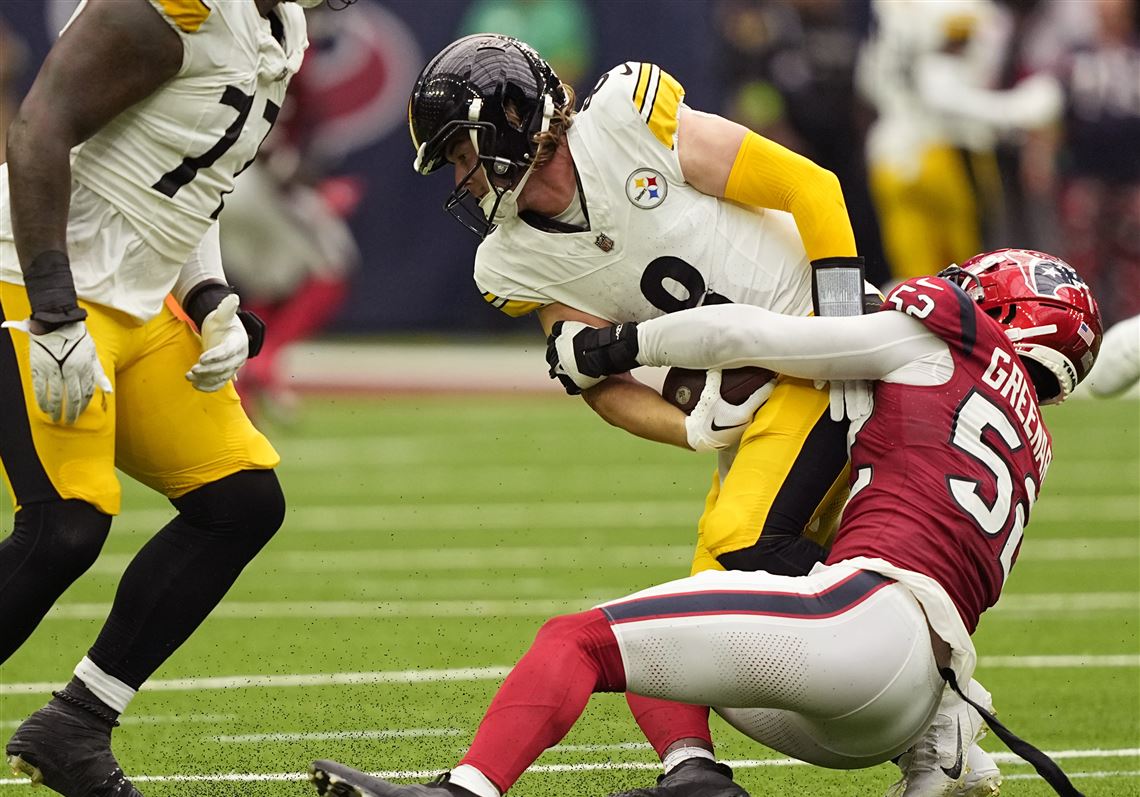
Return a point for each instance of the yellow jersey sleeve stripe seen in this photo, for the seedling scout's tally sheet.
(663, 111)
(188, 15)
(512, 307)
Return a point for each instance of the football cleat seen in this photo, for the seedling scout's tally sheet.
(983, 778)
(946, 761)
(693, 777)
(68, 749)
(339, 780)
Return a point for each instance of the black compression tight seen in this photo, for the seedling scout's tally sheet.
(52, 543)
(183, 572)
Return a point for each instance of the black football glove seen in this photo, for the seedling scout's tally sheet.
(581, 356)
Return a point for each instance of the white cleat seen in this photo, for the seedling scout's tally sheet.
(946, 761)
(983, 778)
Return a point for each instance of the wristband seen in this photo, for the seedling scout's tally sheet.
(837, 286)
(254, 329)
(203, 299)
(51, 290)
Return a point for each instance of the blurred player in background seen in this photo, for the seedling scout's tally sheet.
(285, 242)
(1118, 367)
(845, 667)
(929, 70)
(163, 101)
(633, 207)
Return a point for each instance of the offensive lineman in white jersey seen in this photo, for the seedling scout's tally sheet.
(118, 161)
(631, 208)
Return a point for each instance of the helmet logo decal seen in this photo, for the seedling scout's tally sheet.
(1047, 277)
(646, 188)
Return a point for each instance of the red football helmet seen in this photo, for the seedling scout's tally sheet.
(1047, 310)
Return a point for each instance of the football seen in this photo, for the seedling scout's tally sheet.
(682, 386)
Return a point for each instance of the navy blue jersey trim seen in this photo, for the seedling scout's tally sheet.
(836, 599)
(967, 310)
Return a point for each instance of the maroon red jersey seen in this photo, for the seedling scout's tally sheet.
(943, 477)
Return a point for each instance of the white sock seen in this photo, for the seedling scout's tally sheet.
(474, 781)
(684, 754)
(110, 690)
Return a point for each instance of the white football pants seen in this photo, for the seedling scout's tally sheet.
(834, 668)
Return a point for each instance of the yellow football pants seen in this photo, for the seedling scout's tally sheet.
(154, 426)
(790, 472)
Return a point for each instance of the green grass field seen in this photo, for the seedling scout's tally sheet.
(427, 539)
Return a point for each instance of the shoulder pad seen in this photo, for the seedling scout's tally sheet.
(186, 15)
(647, 89)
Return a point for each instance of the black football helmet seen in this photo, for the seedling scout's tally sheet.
(466, 90)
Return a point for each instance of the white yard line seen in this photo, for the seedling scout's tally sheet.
(331, 736)
(421, 515)
(238, 777)
(562, 557)
(495, 673)
(1026, 605)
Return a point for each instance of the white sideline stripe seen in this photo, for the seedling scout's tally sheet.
(336, 518)
(336, 736)
(491, 674)
(1027, 605)
(238, 777)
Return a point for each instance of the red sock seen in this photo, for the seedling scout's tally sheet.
(664, 722)
(572, 657)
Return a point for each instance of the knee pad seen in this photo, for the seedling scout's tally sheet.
(779, 554)
(63, 538)
(248, 503)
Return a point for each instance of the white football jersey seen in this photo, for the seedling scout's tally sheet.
(654, 244)
(165, 164)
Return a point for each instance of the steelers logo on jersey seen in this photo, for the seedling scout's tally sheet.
(646, 188)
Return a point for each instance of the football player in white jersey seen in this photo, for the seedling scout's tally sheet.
(860, 660)
(633, 207)
(118, 162)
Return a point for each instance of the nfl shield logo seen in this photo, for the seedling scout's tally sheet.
(604, 242)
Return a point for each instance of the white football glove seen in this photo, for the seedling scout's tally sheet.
(715, 424)
(65, 369)
(225, 347)
(849, 398)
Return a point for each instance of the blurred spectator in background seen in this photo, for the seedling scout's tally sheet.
(788, 71)
(562, 30)
(1100, 160)
(285, 241)
(13, 60)
(929, 69)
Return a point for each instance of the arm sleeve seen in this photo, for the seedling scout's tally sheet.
(204, 263)
(735, 335)
(768, 175)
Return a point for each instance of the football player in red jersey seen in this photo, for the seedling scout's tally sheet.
(848, 666)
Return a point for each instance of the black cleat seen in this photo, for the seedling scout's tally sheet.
(339, 780)
(694, 777)
(68, 749)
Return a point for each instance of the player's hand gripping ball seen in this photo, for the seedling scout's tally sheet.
(683, 386)
(720, 405)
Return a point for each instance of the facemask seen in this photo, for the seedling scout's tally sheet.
(503, 205)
